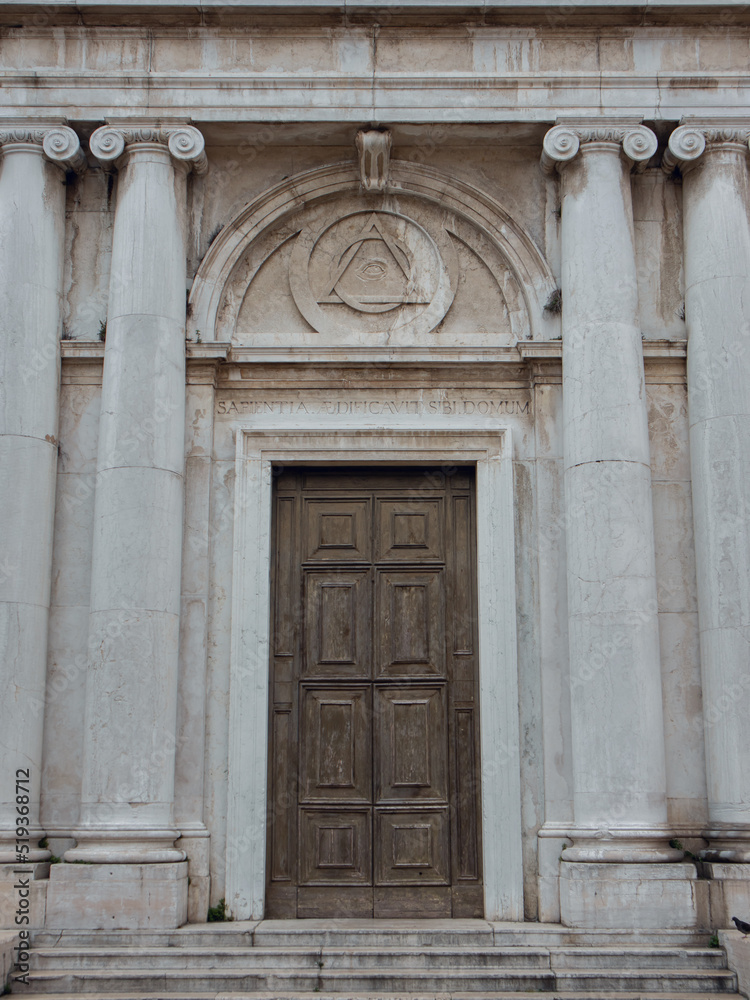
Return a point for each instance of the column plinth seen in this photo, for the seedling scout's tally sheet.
(34, 159)
(713, 159)
(616, 704)
(131, 694)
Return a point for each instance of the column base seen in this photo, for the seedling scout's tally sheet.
(635, 847)
(8, 847)
(117, 897)
(125, 847)
(34, 856)
(629, 896)
(728, 846)
(196, 842)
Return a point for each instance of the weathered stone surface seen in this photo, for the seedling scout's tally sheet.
(117, 897)
(324, 235)
(630, 895)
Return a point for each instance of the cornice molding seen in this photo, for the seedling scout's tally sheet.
(563, 142)
(185, 142)
(59, 143)
(689, 142)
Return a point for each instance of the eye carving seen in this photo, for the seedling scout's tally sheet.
(372, 269)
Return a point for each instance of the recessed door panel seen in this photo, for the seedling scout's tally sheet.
(337, 757)
(412, 743)
(337, 530)
(337, 623)
(410, 619)
(335, 847)
(409, 530)
(412, 848)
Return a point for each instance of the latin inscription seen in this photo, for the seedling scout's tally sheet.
(374, 407)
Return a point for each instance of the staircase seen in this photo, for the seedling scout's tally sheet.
(395, 960)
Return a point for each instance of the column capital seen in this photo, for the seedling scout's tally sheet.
(689, 141)
(59, 143)
(563, 142)
(185, 142)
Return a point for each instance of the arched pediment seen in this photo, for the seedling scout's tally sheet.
(316, 262)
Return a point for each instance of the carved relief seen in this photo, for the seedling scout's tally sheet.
(185, 143)
(395, 276)
(563, 142)
(383, 267)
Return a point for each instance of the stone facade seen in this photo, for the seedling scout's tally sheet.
(556, 205)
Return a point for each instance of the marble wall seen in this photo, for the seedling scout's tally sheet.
(483, 240)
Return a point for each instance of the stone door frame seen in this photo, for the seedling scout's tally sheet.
(263, 444)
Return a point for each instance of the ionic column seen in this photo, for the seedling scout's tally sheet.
(716, 201)
(616, 706)
(35, 157)
(131, 692)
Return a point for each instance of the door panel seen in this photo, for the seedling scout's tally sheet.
(336, 763)
(337, 530)
(410, 619)
(335, 847)
(373, 770)
(412, 743)
(337, 623)
(409, 529)
(412, 847)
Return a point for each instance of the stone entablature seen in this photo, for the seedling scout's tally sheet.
(234, 68)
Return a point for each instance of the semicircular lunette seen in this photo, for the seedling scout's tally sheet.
(394, 273)
(315, 262)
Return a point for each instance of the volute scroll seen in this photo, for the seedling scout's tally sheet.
(60, 144)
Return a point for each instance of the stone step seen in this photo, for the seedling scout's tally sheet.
(291, 958)
(519, 957)
(162, 994)
(508, 933)
(337, 981)
(636, 957)
(359, 933)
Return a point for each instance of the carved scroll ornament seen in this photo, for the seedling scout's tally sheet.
(60, 144)
(185, 143)
(688, 143)
(563, 143)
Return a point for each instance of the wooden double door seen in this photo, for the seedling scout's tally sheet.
(373, 775)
